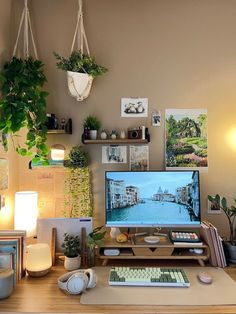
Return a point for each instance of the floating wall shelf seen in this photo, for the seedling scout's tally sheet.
(58, 132)
(66, 130)
(115, 142)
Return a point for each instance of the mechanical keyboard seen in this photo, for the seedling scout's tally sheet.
(148, 276)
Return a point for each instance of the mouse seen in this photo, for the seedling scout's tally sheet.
(204, 277)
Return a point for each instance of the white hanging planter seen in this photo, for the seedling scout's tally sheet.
(79, 84)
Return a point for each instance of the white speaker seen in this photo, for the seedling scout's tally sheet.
(77, 281)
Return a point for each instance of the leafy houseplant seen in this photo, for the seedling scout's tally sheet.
(94, 238)
(78, 196)
(71, 246)
(92, 124)
(79, 62)
(23, 104)
(229, 211)
(81, 70)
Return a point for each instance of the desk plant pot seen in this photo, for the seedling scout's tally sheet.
(72, 263)
(93, 124)
(71, 246)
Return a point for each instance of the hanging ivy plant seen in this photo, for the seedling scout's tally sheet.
(80, 62)
(23, 104)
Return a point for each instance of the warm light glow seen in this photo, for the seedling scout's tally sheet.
(57, 152)
(38, 257)
(26, 212)
(231, 138)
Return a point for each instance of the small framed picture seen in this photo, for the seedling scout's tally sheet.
(156, 118)
(114, 154)
(139, 158)
(134, 107)
(213, 208)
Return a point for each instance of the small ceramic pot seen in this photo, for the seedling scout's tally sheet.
(93, 134)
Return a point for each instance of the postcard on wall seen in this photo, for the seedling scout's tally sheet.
(156, 118)
(113, 154)
(139, 158)
(213, 208)
(3, 174)
(134, 107)
(186, 139)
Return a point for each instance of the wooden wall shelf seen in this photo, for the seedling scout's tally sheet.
(58, 132)
(66, 130)
(115, 142)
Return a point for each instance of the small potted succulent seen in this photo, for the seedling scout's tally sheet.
(71, 246)
(93, 125)
(81, 70)
(230, 213)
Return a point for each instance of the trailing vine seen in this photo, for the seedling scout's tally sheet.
(23, 104)
(78, 194)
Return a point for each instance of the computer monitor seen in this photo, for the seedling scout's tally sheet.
(152, 199)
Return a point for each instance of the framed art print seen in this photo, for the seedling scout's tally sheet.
(134, 107)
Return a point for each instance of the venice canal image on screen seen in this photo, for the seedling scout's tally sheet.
(152, 199)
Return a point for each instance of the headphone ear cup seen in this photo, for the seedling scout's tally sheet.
(92, 277)
(77, 283)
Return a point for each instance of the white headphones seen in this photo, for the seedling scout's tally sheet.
(77, 281)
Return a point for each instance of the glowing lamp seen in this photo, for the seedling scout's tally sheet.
(38, 259)
(26, 212)
(57, 152)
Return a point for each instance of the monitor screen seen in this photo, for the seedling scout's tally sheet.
(152, 199)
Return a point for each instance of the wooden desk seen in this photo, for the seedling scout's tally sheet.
(42, 295)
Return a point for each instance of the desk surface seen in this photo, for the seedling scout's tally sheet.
(42, 295)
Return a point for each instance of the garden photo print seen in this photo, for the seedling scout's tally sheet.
(186, 138)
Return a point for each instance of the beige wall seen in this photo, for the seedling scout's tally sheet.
(6, 214)
(178, 53)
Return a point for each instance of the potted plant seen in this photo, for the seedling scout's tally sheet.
(230, 213)
(71, 246)
(94, 239)
(93, 125)
(23, 104)
(78, 195)
(81, 70)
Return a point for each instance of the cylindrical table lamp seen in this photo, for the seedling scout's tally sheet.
(26, 212)
(38, 259)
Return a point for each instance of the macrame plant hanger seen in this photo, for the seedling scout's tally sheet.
(27, 28)
(80, 84)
